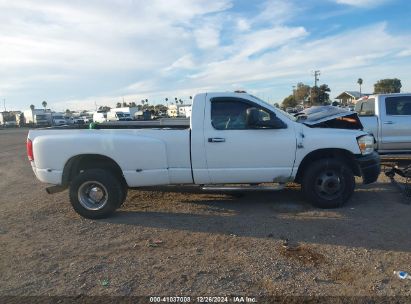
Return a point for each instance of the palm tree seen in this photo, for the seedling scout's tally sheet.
(118, 105)
(359, 81)
(32, 107)
(146, 101)
(44, 104)
(181, 102)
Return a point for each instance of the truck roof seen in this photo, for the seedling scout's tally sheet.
(385, 94)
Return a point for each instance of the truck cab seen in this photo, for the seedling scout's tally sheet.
(388, 118)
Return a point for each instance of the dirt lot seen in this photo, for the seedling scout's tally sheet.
(198, 244)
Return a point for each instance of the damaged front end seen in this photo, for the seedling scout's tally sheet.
(329, 117)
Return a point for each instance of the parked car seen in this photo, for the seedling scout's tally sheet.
(388, 118)
(291, 110)
(58, 120)
(233, 138)
(75, 121)
(10, 124)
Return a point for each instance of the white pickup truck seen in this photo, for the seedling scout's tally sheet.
(388, 118)
(235, 141)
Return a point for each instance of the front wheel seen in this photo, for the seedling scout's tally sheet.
(328, 183)
(96, 193)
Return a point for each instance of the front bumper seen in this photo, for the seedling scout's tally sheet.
(370, 167)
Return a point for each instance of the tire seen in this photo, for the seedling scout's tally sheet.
(96, 193)
(124, 193)
(328, 183)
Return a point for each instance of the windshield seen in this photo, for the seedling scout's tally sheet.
(41, 117)
(259, 99)
(120, 114)
(291, 117)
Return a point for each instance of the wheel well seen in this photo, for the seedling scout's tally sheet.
(83, 162)
(346, 156)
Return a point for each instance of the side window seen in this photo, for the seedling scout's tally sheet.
(399, 105)
(231, 113)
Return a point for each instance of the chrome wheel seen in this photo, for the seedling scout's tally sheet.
(329, 184)
(92, 195)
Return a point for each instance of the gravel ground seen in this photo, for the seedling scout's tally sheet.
(180, 243)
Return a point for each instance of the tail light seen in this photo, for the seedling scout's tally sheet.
(29, 146)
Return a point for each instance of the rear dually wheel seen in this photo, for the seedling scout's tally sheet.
(96, 193)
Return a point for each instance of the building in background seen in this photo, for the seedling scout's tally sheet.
(184, 111)
(172, 111)
(179, 110)
(349, 97)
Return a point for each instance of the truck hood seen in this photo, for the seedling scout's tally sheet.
(329, 117)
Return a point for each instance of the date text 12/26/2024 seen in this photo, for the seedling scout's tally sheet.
(204, 299)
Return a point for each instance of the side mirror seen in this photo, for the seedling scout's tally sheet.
(254, 120)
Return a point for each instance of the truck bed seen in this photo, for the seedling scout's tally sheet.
(146, 156)
(164, 123)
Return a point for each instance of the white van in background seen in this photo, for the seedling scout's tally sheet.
(100, 116)
(118, 116)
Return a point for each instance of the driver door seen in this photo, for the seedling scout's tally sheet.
(237, 153)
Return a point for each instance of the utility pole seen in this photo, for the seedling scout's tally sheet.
(294, 92)
(4, 104)
(316, 79)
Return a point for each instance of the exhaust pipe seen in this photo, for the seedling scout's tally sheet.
(55, 189)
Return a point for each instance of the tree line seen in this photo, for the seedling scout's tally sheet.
(306, 95)
(319, 95)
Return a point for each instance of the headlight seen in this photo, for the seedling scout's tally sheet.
(366, 144)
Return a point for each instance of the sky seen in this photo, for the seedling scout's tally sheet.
(78, 54)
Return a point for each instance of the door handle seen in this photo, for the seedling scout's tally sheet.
(388, 122)
(216, 140)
